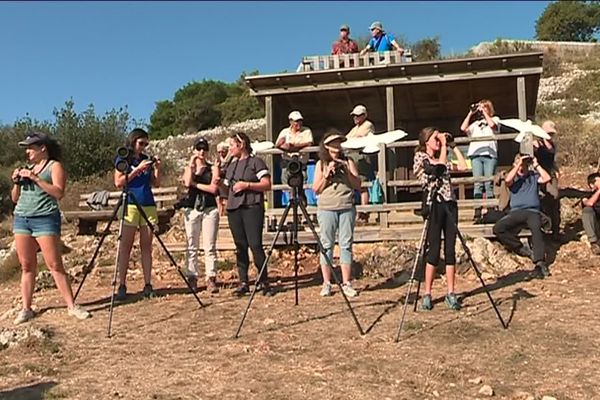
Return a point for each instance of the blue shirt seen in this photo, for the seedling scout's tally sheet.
(524, 192)
(140, 186)
(382, 43)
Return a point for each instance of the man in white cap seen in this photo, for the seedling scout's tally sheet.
(295, 137)
(344, 45)
(545, 152)
(381, 41)
(362, 127)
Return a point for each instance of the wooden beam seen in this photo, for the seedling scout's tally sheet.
(269, 134)
(521, 98)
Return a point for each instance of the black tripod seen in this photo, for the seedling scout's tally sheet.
(295, 203)
(433, 195)
(124, 202)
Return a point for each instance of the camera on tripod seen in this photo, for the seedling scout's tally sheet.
(294, 171)
(125, 159)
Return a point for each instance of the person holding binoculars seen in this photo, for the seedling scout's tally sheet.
(480, 121)
(140, 175)
(336, 179)
(201, 214)
(37, 222)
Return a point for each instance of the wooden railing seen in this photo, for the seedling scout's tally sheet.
(354, 60)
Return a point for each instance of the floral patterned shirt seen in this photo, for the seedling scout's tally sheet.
(344, 47)
(421, 159)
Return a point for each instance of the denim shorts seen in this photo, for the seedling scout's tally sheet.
(46, 225)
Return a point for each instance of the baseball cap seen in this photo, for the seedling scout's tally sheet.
(549, 126)
(34, 138)
(201, 143)
(334, 137)
(295, 116)
(376, 25)
(345, 27)
(359, 110)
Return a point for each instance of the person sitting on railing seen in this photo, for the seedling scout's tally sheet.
(591, 213)
(432, 166)
(523, 183)
(362, 127)
(336, 179)
(481, 122)
(293, 139)
(344, 45)
(545, 152)
(381, 41)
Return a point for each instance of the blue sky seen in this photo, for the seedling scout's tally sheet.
(116, 54)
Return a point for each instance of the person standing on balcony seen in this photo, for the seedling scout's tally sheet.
(381, 41)
(344, 45)
(293, 139)
(362, 127)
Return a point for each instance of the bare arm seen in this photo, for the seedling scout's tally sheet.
(488, 118)
(544, 175)
(462, 164)
(397, 46)
(263, 185)
(465, 124)
(591, 202)
(320, 178)
(119, 177)
(55, 189)
(510, 177)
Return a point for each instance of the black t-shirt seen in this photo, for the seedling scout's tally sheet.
(250, 169)
(545, 157)
(202, 200)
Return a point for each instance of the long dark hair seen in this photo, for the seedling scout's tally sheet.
(134, 135)
(54, 149)
(324, 155)
(241, 137)
(424, 136)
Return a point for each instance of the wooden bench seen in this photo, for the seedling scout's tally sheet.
(87, 219)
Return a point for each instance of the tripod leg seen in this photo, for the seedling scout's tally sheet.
(262, 268)
(123, 202)
(88, 268)
(295, 227)
(474, 265)
(167, 252)
(418, 258)
(330, 264)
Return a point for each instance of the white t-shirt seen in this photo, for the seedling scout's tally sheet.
(480, 128)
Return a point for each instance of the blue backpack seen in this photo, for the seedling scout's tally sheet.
(376, 192)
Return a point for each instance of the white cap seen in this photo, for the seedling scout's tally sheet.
(359, 110)
(295, 116)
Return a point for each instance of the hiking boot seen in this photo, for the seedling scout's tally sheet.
(595, 248)
(326, 290)
(121, 293)
(524, 251)
(542, 269)
(241, 290)
(78, 312)
(211, 285)
(148, 291)
(349, 291)
(265, 288)
(452, 302)
(24, 316)
(426, 304)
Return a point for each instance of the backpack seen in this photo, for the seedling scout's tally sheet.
(376, 192)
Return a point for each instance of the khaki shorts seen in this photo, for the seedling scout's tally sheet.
(134, 217)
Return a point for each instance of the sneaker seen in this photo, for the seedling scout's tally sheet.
(426, 304)
(452, 302)
(78, 312)
(265, 288)
(241, 290)
(524, 251)
(349, 290)
(211, 285)
(595, 248)
(542, 269)
(148, 291)
(121, 293)
(24, 316)
(326, 290)
(193, 281)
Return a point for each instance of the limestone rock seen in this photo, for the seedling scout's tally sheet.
(486, 390)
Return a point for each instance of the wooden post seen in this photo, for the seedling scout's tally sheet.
(270, 137)
(381, 163)
(390, 165)
(521, 98)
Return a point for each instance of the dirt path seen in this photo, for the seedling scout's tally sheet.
(167, 348)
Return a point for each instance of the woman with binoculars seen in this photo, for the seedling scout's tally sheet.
(201, 214)
(139, 175)
(37, 221)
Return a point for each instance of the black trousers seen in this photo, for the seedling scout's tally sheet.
(246, 225)
(442, 219)
(508, 228)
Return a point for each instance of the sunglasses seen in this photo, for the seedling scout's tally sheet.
(143, 143)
